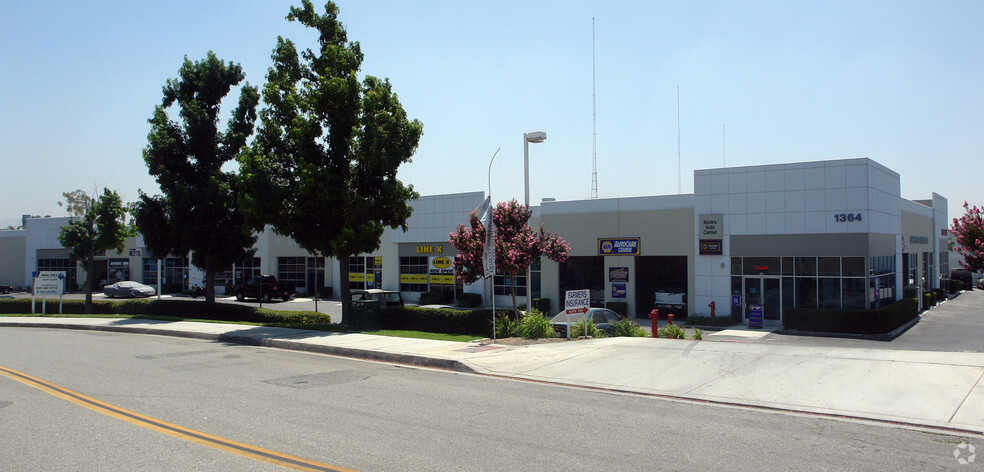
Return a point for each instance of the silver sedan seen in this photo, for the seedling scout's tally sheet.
(128, 289)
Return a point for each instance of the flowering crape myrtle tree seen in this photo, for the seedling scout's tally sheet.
(969, 233)
(516, 245)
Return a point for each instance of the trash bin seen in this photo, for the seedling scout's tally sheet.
(365, 314)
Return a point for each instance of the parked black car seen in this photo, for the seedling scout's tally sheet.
(265, 287)
(965, 277)
(6, 289)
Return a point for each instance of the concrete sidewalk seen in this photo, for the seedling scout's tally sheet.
(940, 390)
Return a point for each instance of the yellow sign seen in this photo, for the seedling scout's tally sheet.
(442, 279)
(413, 278)
(441, 262)
(379, 261)
(357, 277)
(430, 249)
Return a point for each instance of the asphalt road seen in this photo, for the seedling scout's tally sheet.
(371, 416)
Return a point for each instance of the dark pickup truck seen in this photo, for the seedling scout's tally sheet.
(265, 287)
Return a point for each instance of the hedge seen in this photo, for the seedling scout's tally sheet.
(175, 308)
(857, 321)
(434, 298)
(469, 300)
(438, 320)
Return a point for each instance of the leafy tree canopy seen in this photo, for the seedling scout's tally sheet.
(516, 244)
(969, 233)
(101, 226)
(198, 211)
(323, 166)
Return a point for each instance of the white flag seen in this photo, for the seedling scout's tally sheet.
(489, 238)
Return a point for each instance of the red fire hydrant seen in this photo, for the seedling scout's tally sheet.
(713, 306)
(669, 318)
(654, 315)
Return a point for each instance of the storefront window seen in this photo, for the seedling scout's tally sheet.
(806, 266)
(828, 266)
(806, 292)
(852, 267)
(852, 291)
(413, 274)
(830, 292)
(292, 269)
(787, 266)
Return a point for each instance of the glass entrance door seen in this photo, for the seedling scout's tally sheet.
(765, 291)
(771, 301)
(753, 294)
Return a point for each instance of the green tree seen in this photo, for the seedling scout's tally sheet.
(99, 226)
(198, 211)
(323, 166)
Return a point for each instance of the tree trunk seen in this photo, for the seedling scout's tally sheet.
(210, 287)
(512, 291)
(90, 262)
(348, 316)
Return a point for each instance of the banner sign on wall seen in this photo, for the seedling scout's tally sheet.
(618, 290)
(618, 246)
(618, 274)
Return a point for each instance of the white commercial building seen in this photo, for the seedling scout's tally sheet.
(832, 234)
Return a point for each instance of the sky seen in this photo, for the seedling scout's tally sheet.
(758, 82)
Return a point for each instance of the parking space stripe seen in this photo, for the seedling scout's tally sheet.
(170, 429)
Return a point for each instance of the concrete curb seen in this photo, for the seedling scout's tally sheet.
(354, 353)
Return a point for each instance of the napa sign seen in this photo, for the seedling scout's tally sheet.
(618, 246)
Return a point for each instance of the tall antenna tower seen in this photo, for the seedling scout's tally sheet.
(679, 178)
(594, 120)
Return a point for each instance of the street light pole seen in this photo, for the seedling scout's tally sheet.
(532, 137)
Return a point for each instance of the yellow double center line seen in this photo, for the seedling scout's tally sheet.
(169, 429)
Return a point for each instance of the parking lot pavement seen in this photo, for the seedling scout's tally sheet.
(956, 325)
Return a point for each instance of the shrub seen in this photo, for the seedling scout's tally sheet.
(584, 329)
(622, 308)
(535, 326)
(940, 294)
(698, 334)
(437, 320)
(672, 332)
(542, 305)
(505, 326)
(627, 328)
(857, 321)
(174, 308)
(928, 299)
(469, 300)
(434, 298)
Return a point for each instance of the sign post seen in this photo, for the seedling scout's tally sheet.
(754, 316)
(48, 283)
(576, 302)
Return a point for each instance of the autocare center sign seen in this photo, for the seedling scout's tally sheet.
(618, 246)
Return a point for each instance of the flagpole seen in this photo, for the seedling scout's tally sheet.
(490, 240)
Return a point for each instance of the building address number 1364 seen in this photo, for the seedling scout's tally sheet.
(847, 217)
